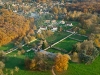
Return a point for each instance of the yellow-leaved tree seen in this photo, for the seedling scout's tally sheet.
(97, 42)
(61, 62)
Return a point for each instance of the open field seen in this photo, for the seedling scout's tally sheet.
(18, 61)
(73, 69)
(66, 44)
(7, 47)
(82, 69)
(56, 37)
(53, 50)
(74, 23)
(79, 37)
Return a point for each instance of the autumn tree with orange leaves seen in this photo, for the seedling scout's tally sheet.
(61, 62)
(12, 26)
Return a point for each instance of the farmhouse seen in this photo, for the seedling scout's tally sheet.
(41, 29)
(62, 22)
(47, 21)
(53, 22)
(69, 24)
(54, 28)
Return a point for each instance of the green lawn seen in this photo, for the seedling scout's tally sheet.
(82, 69)
(66, 44)
(19, 62)
(53, 50)
(79, 37)
(73, 69)
(56, 37)
(75, 23)
(69, 27)
(7, 47)
(26, 47)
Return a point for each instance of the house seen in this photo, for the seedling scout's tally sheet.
(62, 22)
(69, 24)
(41, 29)
(54, 29)
(47, 21)
(15, 11)
(53, 22)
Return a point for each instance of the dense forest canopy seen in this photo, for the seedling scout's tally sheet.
(11, 26)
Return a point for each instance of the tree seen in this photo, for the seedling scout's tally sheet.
(78, 46)
(22, 51)
(97, 42)
(34, 27)
(16, 69)
(27, 63)
(12, 26)
(20, 46)
(11, 72)
(38, 63)
(91, 36)
(2, 55)
(64, 10)
(45, 44)
(55, 10)
(56, 17)
(19, 52)
(60, 29)
(75, 57)
(1, 72)
(32, 64)
(2, 65)
(61, 62)
(26, 40)
(87, 51)
(82, 31)
(49, 33)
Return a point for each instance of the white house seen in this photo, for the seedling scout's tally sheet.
(15, 11)
(62, 22)
(69, 24)
(41, 29)
(54, 29)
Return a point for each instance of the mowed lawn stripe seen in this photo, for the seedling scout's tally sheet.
(67, 44)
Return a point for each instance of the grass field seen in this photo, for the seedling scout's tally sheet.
(19, 62)
(82, 69)
(56, 37)
(79, 37)
(53, 50)
(74, 23)
(73, 69)
(66, 44)
(7, 47)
